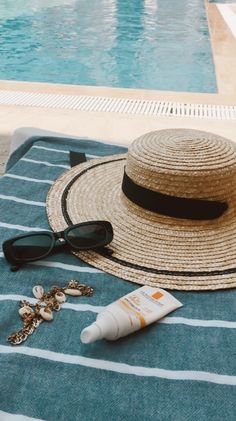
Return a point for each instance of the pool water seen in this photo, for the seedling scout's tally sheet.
(151, 44)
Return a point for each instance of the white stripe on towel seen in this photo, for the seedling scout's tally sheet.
(97, 309)
(21, 177)
(20, 227)
(17, 199)
(199, 322)
(48, 164)
(122, 368)
(50, 149)
(5, 416)
(165, 320)
(65, 306)
(65, 266)
(82, 307)
(63, 151)
(17, 297)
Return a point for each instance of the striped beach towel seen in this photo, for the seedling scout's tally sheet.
(181, 368)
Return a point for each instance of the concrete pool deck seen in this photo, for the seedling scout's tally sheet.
(123, 127)
(222, 28)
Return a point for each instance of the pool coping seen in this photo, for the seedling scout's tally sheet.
(101, 124)
(223, 43)
(129, 93)
(161, 107)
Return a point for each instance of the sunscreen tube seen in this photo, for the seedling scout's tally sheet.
(132, 312)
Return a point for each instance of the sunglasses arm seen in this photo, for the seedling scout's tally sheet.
(104, 250)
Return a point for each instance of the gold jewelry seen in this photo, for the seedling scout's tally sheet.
(33, 315)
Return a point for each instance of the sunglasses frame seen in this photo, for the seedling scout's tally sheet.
(54, 236)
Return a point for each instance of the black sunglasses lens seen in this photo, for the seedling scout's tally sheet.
(31, 247)
(86, 236)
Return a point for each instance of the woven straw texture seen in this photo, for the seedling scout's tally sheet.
(150, 248)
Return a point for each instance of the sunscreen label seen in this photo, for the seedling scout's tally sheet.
(127, 306)
(146, 303)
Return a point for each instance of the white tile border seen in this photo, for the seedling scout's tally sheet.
(130, 106)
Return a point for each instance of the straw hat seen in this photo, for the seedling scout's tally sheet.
(172, 203)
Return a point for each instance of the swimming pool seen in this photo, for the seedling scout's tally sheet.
(151, 44)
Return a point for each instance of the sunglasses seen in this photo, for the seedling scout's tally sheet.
(26, 248)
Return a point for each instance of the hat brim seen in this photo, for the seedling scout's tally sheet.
(148, 248)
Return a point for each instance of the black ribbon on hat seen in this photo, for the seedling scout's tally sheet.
(177, 207)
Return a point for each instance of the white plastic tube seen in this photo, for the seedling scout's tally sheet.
(130, 313)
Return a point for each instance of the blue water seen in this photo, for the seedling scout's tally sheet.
(151, 44)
